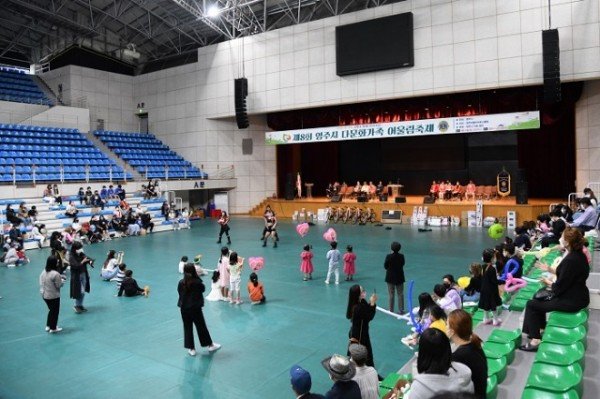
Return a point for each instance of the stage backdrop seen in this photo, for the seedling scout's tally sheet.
(543, 157)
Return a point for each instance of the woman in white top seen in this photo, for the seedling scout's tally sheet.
(436, 370)
(50, 283)
(110, 267)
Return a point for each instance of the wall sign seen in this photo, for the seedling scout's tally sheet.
(423, 127)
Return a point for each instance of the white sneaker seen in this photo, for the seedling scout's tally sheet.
(214, 347)
(326, 282)
(337, 283)
(192, 352)
(47, 328)
(58, 329)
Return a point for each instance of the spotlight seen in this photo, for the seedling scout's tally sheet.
(213, 11)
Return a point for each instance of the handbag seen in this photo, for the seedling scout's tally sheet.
(544, 294)
(353, 340)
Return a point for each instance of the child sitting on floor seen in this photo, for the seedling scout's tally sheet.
(120, 275)
(130, 287)
(256, 290)
(215, 289)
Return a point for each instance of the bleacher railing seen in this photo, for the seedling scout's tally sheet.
(34, 118)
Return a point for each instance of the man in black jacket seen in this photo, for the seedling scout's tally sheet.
(394, 276)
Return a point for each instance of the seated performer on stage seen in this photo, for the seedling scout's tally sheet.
(372, 190)
(357, 188)
(434, 189)
(448, 192)
(441, 189)
(340, 189)
(456, 190)
(329, 192)
(470, 191)
(379, 188)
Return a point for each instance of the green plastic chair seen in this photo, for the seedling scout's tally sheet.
(497, 368)
(568, 320)
(518, 304)
(531, 393)
(470, 309)
(383, 391)
(390, 381)
(497, 350)
(561, 355)
(536, 273)
(506, 337)
(565, 336)
(477, 317)
(492, 388)
(553, 378)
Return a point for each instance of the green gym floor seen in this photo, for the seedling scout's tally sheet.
(133, 347)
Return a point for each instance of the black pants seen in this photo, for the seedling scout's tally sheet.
(190, 318)
(535, 314)
(224, 229)
(53, 310)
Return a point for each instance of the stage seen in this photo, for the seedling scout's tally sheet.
(495, 207)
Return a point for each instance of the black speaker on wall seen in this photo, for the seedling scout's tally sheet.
(241, 92)
(522, 193)
(551, 58)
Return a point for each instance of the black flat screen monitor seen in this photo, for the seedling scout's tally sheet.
(375, 45)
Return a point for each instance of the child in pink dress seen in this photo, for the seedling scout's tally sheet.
(349, 259)
(306, 266)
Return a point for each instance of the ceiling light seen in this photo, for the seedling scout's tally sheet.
(213, 11)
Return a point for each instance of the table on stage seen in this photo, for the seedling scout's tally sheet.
(309, 187)
(396, 188)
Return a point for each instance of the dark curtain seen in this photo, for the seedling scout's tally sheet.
(545, 158)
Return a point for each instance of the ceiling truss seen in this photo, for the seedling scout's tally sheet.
(38, 29)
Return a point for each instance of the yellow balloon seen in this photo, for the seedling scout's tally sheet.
(464, 281)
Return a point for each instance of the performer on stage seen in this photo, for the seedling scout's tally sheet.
(470, 190)
(448, 192)
(456, 190)
(441, 189)
(434, 189)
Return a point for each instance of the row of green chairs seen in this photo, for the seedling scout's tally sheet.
(557, 371)
(499, 351)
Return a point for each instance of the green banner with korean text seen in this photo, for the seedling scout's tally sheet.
(423, 127)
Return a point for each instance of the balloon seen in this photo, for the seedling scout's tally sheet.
(302, 229)
(330, 235)
(514, 284)
(496, 231)
(463, 282)
(256, 263)
(418, 326)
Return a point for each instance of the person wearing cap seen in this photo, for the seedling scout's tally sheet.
(366, 376)
(587, 220)
(341, 371)
(301, 383)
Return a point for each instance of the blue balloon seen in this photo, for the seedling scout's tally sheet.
(418, 326)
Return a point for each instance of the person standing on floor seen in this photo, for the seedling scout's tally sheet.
(224, 222)
(191, 301)
(333, 256)
(394, 276)
(50, 284)
(489, 298)
(360, 313)
(80, 278)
